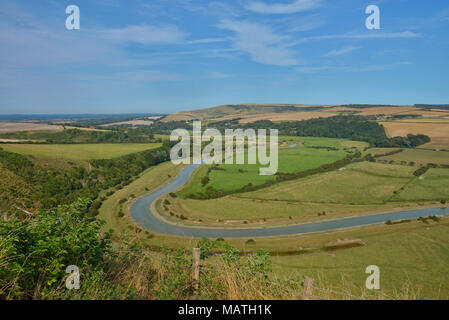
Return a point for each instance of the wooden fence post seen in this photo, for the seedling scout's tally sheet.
(196, 268)
(308, 288)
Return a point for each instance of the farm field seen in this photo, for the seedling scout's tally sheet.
(278, 117)
(322, 142)
(78, 151)
(291, 159)
(26, 126)
(359, 188)
(357, 183)
(412, 258)
(379, 151)
(438, 132)
(131, 122)
(434, 185)
(419, 156)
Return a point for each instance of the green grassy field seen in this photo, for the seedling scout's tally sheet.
(358, 189)
(322, 142)
(412, 258)
(291, 160)
(357, 183)
(78, 151)
(379, 151)
(433, 185)
(420, 156)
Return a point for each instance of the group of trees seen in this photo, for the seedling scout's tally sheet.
(68, 136)
(356, 128)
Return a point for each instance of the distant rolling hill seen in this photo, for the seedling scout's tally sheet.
(296, 112)
(226, 112)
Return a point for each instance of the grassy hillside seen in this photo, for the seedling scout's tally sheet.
(79, 151)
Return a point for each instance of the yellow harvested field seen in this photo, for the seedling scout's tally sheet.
(26, 126)
(438, 132)
(85, 129)
(428, 113)
(131, 122)
(339, 109)
(287, 116)
(424, 120)
(385, 110)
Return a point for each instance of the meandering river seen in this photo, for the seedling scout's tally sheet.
(143, 214)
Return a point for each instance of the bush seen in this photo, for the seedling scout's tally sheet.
(204, 181)
(36, 254)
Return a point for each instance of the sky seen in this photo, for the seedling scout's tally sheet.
(164, 56)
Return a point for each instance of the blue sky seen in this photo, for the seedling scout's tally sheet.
(163, 56)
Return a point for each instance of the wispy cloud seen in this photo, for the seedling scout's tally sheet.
(306, 23)
(360, 68)
(283, 8)
(339, 52)
(213, 8)
(261, 43)
(377, 35)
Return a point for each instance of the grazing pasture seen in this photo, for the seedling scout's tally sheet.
(228, 177)
(359, 188)
(433, 185)
(357, 183)
(412, 258)
(419, 156)
(78, 151)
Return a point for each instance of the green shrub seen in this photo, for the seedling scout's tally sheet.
(37, 253)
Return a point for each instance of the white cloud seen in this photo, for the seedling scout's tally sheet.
(283, 8)
(339, 52)
(261, 43)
